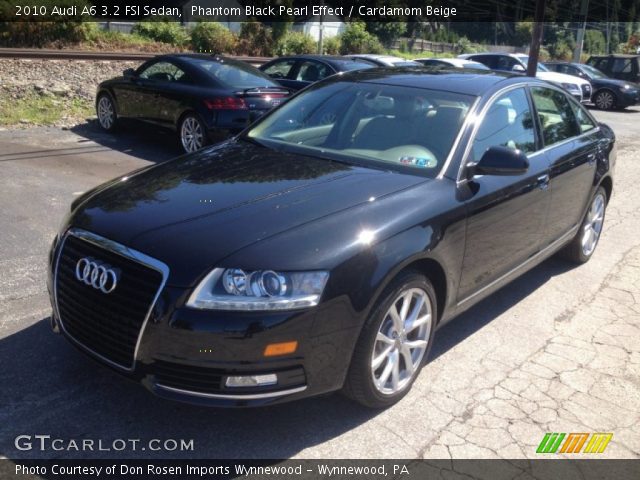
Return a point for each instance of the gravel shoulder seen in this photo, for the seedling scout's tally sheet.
(66, 88)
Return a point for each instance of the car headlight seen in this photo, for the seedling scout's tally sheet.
(626, 86)
(237, 289)
(571, 86)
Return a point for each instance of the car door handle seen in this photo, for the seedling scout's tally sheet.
(543, 181)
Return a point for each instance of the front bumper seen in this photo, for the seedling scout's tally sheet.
(186, 354)
(629, 98)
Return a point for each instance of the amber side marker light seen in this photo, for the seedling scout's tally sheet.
(275, 349)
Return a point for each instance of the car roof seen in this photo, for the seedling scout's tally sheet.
(468, 82)
(199, 56)
(311, 56)
(508, 54)
(616, 55)
(373, 56)
(452, 61)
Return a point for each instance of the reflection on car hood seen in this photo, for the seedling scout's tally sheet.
(208, 205)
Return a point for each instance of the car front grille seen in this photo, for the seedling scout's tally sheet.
(586, 91)
(106, 324)
(187, 377)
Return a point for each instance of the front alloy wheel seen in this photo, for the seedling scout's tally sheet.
(192, 134)
(604, 100)
(106, 112)
(401, 341)
(394, 342)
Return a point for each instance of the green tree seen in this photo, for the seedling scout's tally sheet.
(387, 32)
(356, 39)
(256, 39)
(212, 37)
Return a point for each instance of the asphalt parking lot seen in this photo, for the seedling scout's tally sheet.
(558, 350)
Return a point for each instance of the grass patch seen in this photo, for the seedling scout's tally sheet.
(118, 41)
(46, 110)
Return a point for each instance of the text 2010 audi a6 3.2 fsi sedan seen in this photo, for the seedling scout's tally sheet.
(321, 248)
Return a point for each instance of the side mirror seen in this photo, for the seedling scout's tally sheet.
(502, 161)
(518, 68)
(129, 72)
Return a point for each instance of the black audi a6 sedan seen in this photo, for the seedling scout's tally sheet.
(201, 97)
(322, 247)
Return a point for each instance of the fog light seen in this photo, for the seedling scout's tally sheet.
(252, 380)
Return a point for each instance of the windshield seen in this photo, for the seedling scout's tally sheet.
(233, 74)
(384, 126)
(593, 72)
(525, 59)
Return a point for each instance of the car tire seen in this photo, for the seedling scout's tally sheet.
(192, 133)
(581, 248)
(604, 100)
(380, 375)
(106, 112)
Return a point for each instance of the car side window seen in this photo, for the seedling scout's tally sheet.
(487, 60)
(506, 63)
(507, 123)
(621, 65)
(312, 71)
(556, 115)
(280, 69)
(574, 71)
(163, 72)
(584, 121)
(599, 63)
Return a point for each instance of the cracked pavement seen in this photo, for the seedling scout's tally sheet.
(557, 350)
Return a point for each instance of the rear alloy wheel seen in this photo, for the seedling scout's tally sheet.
(106, 112)
(584, 244)
(605, 100)
(192, 133)
(394, 343)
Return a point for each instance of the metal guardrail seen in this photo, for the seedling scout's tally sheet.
(97, 55)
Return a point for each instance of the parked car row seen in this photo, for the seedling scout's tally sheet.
(517, 63)
(608, 93)
(204, 98)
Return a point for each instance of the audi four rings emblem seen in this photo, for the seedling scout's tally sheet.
(97, 275)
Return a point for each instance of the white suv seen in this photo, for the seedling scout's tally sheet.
(517, 62)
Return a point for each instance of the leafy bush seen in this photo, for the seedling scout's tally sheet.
(561, 50)
(356, 39)
(41, 33)
(544, 54)
(294, 43)
(331, 45)
(211, 37)
(463, 45)
(387, 32)
(255, 39)
(165, 30)
(594, 41)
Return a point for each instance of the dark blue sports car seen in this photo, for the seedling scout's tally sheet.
(201, 97)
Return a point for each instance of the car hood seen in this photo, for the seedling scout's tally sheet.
(561, 78)
(194, 211)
